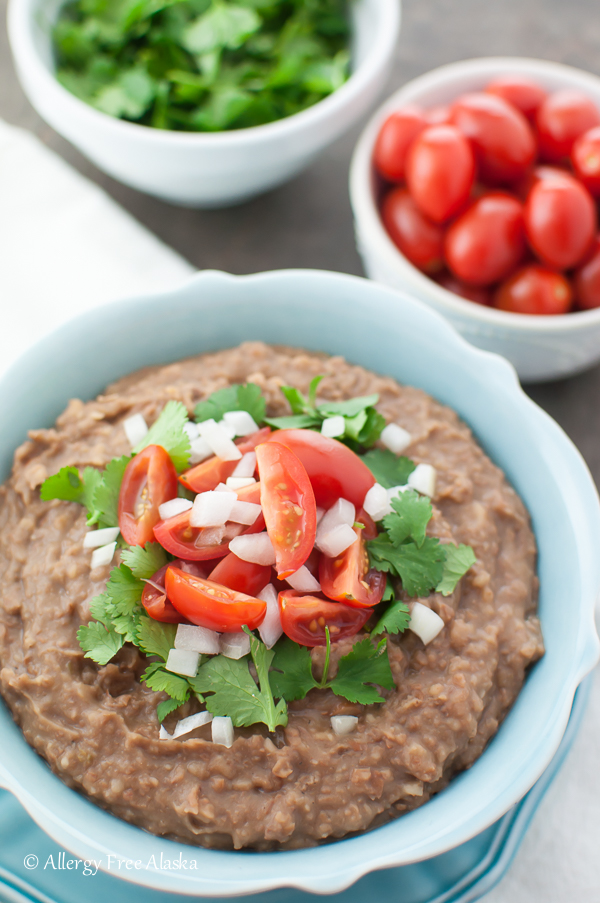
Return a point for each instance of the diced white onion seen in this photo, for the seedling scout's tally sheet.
(244, 513)
(222, 730)
(342, 512)
(103, 555)
(222, 487)
(96, 538)
(135, 429)
(241, 421)
(239, 482)
(246, 467)
(174, 507)
(191, 429)
(343, 724)
(256, 548)
(303, 581)
(395, 438)
(337, 540)
(197, 639)
(212, 509)
(377, 503)
(182, 661)
(333, 426)
(200, 450)
(270, 630)
(227, 428)
(220, 443)
(211, 536)
(320, 515)
(425, 622)
(234, 645)
(423, 479)
(191, 723)
(163, 733)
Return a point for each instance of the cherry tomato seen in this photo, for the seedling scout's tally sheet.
(395, 137)
(520, 92)
(289, 506)
(243, 576)
(154, 596)
(349, 577)
(586, 160)
(208, 474)
(415, 236)
(369, 525)
(587, 280)
(203, 543)
(560, 220)
(333, 469)
(468, 292)
(486, 242)
(503, 140)
(561, 119)
(535, 290)
(440, 171)
(149, 480)
(211, 605)
(304, 618)
(439, 115)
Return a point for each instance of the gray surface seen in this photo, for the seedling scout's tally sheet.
(307, 223)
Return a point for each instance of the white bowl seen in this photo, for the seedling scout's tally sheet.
(541, 348)
(203, 169)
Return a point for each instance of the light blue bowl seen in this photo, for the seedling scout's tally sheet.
(388, 333)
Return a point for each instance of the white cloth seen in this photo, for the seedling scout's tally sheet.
(66, 247)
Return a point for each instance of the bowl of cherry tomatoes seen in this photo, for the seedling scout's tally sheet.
(476, 188)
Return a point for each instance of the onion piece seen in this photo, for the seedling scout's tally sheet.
(227, 428)
(200, 450)
(234, 645)
(270, 630)
(173, 507)
(218, 440)
(181, 661)
(222, 487)
(103, 555)
(395, 438)
(210, 536)
(343, 724)
(342, 512)
(197, 639)
(241, 421)
(96, 538)
(244, 513)
(303, 581)
(135, 429)
(222, 730)
(191, 723)
(239, 482)
(395, 491)
(163, 734)
(423, 479)
(256, 548)
(424, 622)
(212, 509)
(377, 502)
(337, 540)
(191, 429)
(247, 466)
(333, 426)
(320, 515)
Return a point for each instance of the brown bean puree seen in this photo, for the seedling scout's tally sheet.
(97, 727)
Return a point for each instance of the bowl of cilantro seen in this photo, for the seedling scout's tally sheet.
(203, 103)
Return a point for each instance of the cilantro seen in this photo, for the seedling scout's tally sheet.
(144, 562)
(157, 678)
(167, 431)
(165, 708)
(292, 677)
(69, 486)
(412, 513)
(221, 27)
(237, 397)
(387, 468)
(155, 638)
(395, 620)
(458, 561)
(106, 495)
(99, 643)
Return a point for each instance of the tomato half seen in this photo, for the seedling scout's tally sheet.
(395, 137)
(333, 469)
(440, 171)
(243, 576)
(413, 234)
(349, 578)
(560, 219)
(535, 290)
(149, 480)
(305, 617)
(561, 119)
(289, 507)
(208, 474)
(203, 543)
(586, 160)
(154, 596)
(211, 605)
(522, 93)
(587, 280)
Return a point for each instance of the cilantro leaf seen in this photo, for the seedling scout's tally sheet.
(395, 620)
(297, 401)
(66, 485)
(92, 478)
(167, 431)
(106, 494)
(364, 665)
(312, 389)
(99, 642)
(420, 569)
(412, 513)
(458, 561)
(387, 468)
(222, 26)
(144, 562)
(262, 657)
(349, 408)
(237, 397)
(292, 677)
(293, 422)
(165, 708)
(101, 609)
(160, 680)
(155, 638)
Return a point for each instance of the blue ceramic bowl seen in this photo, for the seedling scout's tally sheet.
(388, 333)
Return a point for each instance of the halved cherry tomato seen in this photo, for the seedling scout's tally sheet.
(440, 170)
(503, 140)
(560, 219)
(561, 119)
(149, 480)
(211, 605)
(243, 576)
(304, 618)
(415, 236)
(289, 507)
(333, 469)
(535, 290)
(203, 543)
(395, 137)
(208, 474)
(469, 292)
(154, 596)
(587, 280)
(487, 242)
(369, 525)
(349, 578)
(586, 160)
(527, 96)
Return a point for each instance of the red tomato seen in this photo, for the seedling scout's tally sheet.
(440, 171)
(486, 242)
(415, 236)
(587, 280)
(586, 160)
(503, 140)
(395, 137)
(349, 577)
(560, 219)
(518, 91)
(203, 543)
(211, 605)
(243, 576)
(468, 292)
(561, 119)
(208, 474)
(439, 115)
(304, 618)
(333, 469)
(535, 290)
(154, 596)
(149, 480)
(370, 527)
(289, 506)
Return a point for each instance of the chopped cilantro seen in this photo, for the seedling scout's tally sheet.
(145, 561)
(165, 708)
(155, 638)
(292, 676)
(106, 495)
(458, 561)
(96, 490)
(160, 680)
(236, 397)
(395, 620)
(387, 468)
(412, 512)
(167, 431)
(99, 643)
